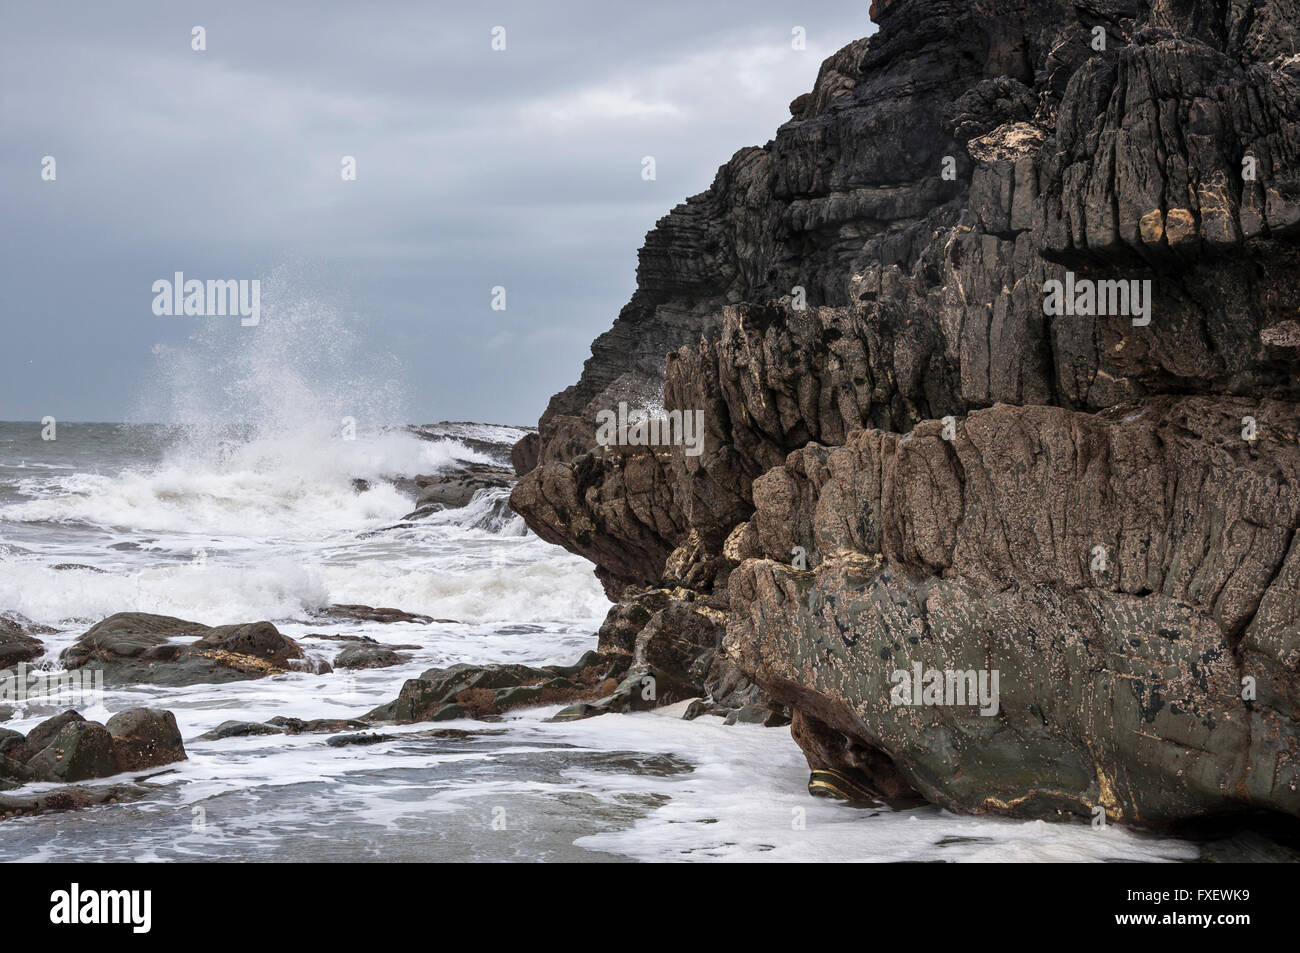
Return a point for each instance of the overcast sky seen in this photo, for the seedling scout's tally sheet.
(475, 168)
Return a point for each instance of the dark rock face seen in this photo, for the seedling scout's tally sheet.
(238, 729)
(980, 554)
(523, 455)
(135, 647)
(912, 456)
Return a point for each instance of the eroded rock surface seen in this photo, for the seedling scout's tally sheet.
(911, 456)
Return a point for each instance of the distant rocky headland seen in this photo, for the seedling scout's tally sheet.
(996, 344)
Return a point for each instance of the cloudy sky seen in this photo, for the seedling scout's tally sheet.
(475, 168)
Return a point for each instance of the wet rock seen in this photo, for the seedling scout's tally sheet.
(769, 716)
(296, 726)
(45, 732)
(368, 738)
(643, 689)
(13, 773)
(67, 748)
(145, 738)
(135, 647)
(701, 707)
(451, 712)
(12, 744)
(17, 641)
(372, 614)
(481, 691)
(68, 798)
(239, 729)
(458, 488)
(369, 656)
(80, 751)
(310, 665)
(258, 640)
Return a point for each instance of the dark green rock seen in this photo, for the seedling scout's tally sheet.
(80, 751)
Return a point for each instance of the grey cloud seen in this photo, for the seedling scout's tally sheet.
(475, 169)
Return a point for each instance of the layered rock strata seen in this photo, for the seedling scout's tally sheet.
(996, 344)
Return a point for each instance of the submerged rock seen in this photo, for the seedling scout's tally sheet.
(372, 614)
(369, 656)
(479, 691)
(67, 798)
(239, 729)
(363, 738)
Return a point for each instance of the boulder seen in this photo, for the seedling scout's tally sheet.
(44, 733)
(136, 647)
(145, 738)
(80, 751)
(369, 656)
(67, 748)
(480, 691)
(17, 641)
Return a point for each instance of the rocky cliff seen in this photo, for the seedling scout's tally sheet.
(996, 345)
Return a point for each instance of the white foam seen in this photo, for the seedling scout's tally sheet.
(746, 797)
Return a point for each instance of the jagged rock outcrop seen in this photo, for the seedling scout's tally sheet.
(1014, 295)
